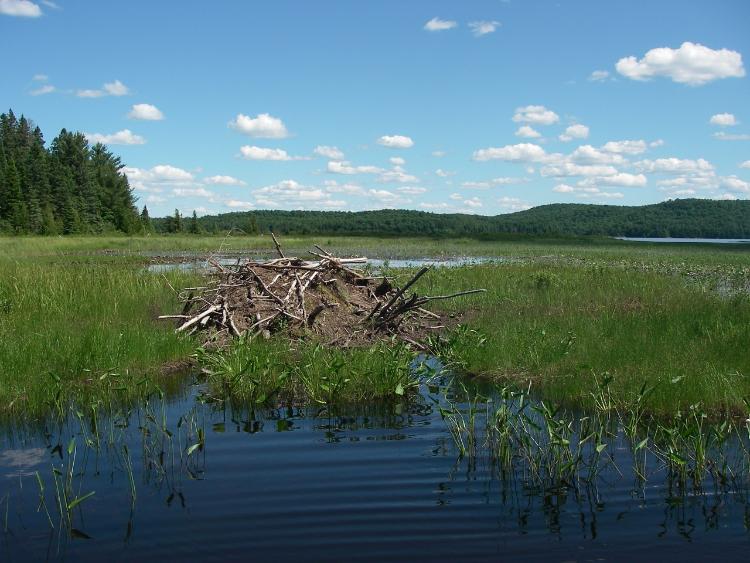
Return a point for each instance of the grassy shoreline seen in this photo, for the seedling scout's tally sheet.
(561, 315)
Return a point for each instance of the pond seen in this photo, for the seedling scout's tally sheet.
(180, 478)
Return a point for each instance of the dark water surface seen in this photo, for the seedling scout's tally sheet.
(298, 485)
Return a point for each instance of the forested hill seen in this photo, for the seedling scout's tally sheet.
(69, 187)
(677, 218)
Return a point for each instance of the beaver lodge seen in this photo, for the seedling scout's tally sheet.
(330, 298)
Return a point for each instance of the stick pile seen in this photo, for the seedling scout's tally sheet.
(324, 296)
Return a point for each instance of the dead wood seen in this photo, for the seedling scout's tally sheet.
(290, 295)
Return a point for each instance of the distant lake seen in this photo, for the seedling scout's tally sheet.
(693, 240)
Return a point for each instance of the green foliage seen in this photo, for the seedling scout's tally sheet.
(677, 218)
(69, 188)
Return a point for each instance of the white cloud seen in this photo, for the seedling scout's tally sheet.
(599, 76)
(725, 197)
(538, 115)
(396, 141)
(591, 155)
(411, 191)
(224, 181)
(387, 197)
(166, 172)
(332, 186)
(629, 147)
(674, 165)
(291, 190)
(22, 8)
(263, 153)
(441, 205)
(492, 183)
(513, 204)
(115, 88)
(344, 167)
(564, 189)
(436, 24)
(731, 136)
(192, 192)
(745, 164)
(438, 154)
(331, 153)
(154, 180)
(236, 204)
(145, 112)
(397, 161)
(586, 192)
(124, 137)
(723, 119)
(473, 202)
(656, 143)
(620, 179)
(262, 126)
(397, 174)
(480, 28)
(40, 77)
(575, 132)
(572, 169)
(523, 152)
(444, 173)
(527, 132)
(46, 89)
(155, 199)
(456, 197)
(691, 63)
(735, 184)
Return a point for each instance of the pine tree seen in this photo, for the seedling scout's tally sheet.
(194, 228)
(146, 224)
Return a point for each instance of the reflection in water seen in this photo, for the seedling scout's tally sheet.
(182, 478)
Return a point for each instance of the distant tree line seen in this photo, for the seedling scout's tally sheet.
(67, 188)
(674, 218)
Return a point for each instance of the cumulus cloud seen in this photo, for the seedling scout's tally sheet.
(527, 132)
(411, 190)
(387, 197)
(723, 119)
(345, 167)
(473, 202)
(397, 161)
(115, 88)
(145, 112)
(331, 153)
(486, 184)
(623, 179)
(397, 174)
(396, 141)
(263, 153)
(332, 186)
(438, 154)
(480, 28)
(156, 179)
(124, 137)
(735, 184)
(20, 8)
(46, 89)
(745, 164)
(586, 192)
(192, 192)
(295, 194)
(436, 24)
(538, 115)
(587, 154)
(575, 132)
(512, 204)
(263, 126)
(691, 63)
(237, 204)
(571, 169)
(731, 136)
(224, 181)
(444, 173)
(674, 165)
(599, 76)
(628, 147)
(522, 152)
(440, 205)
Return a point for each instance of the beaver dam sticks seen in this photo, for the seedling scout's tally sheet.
(326, 297)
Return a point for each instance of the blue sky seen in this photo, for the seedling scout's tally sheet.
(480, 107)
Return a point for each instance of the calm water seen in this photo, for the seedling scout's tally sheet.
(298, 485)
(693, 240)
